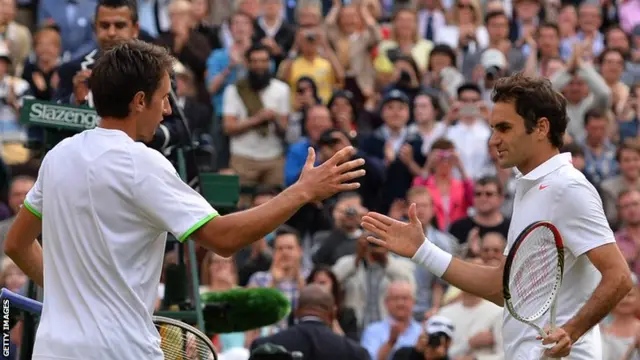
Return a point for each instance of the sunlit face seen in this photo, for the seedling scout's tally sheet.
(439, 61)
(399, 301)
(630, 163)
(271, 8)
(309, 16)
(287, 250)
(465, 12)
(527, 9)
(498, 28)
(200, 9)
(423, 110)
(596, 130)
(18, 193)
(612, 66)
(405, 24)
(617, 39)
(349, 19)
(341, 106)
(47, 45)
(589, 18)
(114, 26)
(318, 121)
(321, 278)
(424, 208)
(395, 114)
(509, 135)
(241, 27)
(486, 198)
(629, 208)
(548, 41)
(151, 113)
(492, 249)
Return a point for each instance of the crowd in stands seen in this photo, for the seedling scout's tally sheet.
(407, 83)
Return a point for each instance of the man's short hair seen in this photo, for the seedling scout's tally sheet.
(490, 180)
(534, 98)
(125, 70)
(628, 144)
(592, 114)
(255, 47)
(113, 4)
(286, 230)
(494, 14)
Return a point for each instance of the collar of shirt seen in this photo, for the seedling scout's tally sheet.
(547, 167)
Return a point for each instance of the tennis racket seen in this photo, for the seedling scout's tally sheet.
(179, 341)
(533, 275)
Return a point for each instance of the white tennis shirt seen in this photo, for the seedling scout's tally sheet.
(555, 191)
(106, 204)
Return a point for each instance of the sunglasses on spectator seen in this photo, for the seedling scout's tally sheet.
(485, 193)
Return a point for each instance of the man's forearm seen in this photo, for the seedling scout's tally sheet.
(230, 233)
(612, 288)
(29, 260)
(481, 280)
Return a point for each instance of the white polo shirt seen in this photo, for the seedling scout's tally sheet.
(555, 191)
(106, 204)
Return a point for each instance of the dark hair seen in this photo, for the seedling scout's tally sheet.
(534, 98)
(286, 230)
(442, 144)
(494, 14)
(548, 25)
(606, 52)
(593, 114)
(123, 71)
(113, 4)
(628, 144)
(442, 49)
(467, 87)
(240, 13)
(255, 47)
(574, 149)
(336, 291)
(490, 180)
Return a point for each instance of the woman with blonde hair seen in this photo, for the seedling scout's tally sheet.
(465, 29)
(404, 40)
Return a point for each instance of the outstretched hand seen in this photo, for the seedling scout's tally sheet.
(333, 176)
(401, 238)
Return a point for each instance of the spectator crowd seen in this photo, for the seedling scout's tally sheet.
(408, 83)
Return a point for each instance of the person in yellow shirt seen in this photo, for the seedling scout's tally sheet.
(316, 60)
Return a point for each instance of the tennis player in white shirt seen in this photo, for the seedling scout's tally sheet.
(528, 122)
(104, 204)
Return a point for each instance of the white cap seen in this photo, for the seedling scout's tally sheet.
(439, 324)
(493, 57)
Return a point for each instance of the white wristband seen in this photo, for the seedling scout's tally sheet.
(433, 258)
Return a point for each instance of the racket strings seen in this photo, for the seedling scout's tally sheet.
(179, 344)
(534, 270)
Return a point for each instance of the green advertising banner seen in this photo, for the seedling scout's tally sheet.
(58, 116)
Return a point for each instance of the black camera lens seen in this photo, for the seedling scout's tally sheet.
(351, 212)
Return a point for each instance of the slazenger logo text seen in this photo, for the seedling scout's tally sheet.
(51, 114)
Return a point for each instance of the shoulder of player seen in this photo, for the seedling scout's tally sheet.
(148, 160)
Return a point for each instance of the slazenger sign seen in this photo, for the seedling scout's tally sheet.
(52, 115)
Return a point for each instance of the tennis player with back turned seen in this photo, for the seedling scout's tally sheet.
(104, 203)
(528, 121)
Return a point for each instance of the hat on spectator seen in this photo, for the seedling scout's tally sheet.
(395, 95)
(493, 58)
(4, 52)
(439, 324)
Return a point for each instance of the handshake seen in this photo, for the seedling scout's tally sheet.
(406, 239)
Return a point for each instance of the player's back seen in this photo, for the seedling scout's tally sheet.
(102, 255)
